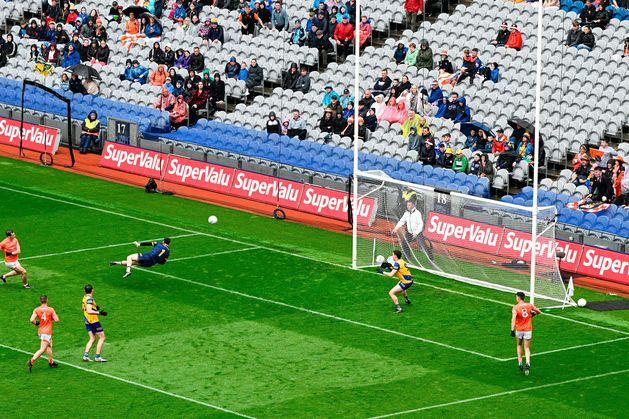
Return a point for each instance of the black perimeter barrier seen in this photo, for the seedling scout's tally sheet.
(46, 158)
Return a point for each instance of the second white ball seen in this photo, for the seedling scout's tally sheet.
(212, 219)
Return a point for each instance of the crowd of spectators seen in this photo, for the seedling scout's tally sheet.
(602, 172)
(328, 27)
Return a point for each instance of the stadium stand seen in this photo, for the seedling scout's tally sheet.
(577, 109)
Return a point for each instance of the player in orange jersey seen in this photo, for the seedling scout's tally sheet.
(42, 317)
(11, 248)
(522, 329)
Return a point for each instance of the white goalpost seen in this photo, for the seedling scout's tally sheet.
(478, 241)
(466, 238)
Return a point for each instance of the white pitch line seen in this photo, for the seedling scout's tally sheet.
(319, 313)
(88, 249)
(585, 345)
(503, 393)
(136, 384)
(246, 249)
(284, 252)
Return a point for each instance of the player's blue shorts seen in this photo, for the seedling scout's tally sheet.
(145, 261)
(405, 286)
(94, 327)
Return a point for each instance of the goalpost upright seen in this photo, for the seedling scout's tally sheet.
(354, 192)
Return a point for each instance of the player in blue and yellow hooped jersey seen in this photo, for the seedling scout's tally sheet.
(92, 324)
(403, 274)
(158, 254)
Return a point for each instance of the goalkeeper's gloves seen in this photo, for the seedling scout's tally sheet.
(386, 265)
(513, 333)
(103, 313)
(380, 270)
(137, 244)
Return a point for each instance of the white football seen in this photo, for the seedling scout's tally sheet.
(582, 302)
(212, 219)
(379, 259)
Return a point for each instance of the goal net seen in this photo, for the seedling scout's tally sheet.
(478, 241)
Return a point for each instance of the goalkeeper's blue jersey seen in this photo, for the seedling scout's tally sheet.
(159, 253)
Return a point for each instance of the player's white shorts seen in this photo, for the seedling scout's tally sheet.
(524, 335)
(13, 265)
(47, 338)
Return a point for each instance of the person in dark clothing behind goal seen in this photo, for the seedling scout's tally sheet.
(414, 223)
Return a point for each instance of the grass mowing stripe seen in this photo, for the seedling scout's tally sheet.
(246, 249)
(292, 254)
(136, 384)
(108, 246)
(503, 393)
(319, 313)
(585, 345)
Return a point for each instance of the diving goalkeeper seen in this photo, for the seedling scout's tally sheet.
(158, 254)
(414, 223)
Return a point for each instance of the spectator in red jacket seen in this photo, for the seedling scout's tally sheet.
(413, 8)
(515, 38)
(343, 36)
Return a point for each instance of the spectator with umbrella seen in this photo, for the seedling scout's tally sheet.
(520, 127)
(132, 28)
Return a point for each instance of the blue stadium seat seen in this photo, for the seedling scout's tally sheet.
(602, 222)
(527, 192)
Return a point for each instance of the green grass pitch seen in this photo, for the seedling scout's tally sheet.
(262, 318)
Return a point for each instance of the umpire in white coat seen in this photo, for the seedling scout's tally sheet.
(414, 223)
